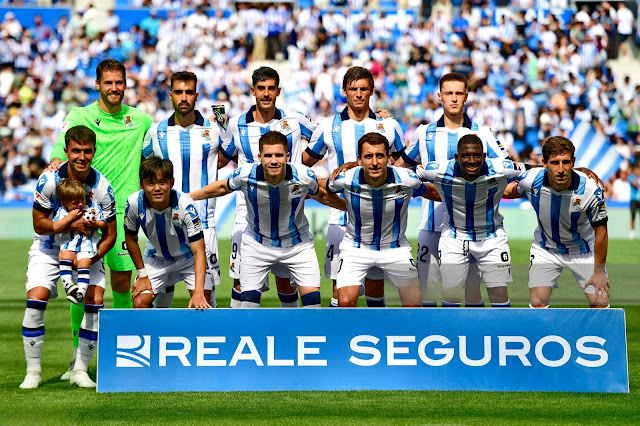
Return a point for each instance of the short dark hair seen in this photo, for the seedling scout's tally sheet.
(357, 73)
(70, 189)
(273, 138)
(80, 133)
(183, 76)
(110, 65)
(150, 166)
(454, 76)
(556, 145)
(373, 139)
(263, 74)
(470, 139)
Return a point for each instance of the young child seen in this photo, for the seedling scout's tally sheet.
(76, 205)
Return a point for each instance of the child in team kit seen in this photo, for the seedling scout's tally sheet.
(74, 245)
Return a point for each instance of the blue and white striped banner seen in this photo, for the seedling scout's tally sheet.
(594, 151)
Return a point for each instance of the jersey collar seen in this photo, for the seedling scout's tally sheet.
(465, 123)
(575, 181)
(344, 115)
(173, 200)
(199, 119)
(260, 172)
(249, 114)
(91, 179)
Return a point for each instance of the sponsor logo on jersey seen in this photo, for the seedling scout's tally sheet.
(127, 121)
(285, 126)
(133, 351)
(97, 120)
(206, 135)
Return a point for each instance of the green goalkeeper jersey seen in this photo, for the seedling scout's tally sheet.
(118, 148)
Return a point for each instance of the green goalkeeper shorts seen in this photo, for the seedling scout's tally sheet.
(118, 258)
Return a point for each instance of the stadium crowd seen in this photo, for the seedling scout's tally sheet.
(532, 73)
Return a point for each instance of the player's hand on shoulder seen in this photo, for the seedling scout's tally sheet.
(383, 113)
(54, 165)
(591, 175)
(198, 301)
(343, 168)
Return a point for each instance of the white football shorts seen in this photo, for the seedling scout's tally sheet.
(397, 264)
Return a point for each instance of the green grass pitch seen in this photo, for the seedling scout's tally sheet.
(57, 402)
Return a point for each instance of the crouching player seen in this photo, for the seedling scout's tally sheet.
(572, 226)
(377, 197)
(277, 232)
(75, 246)
(471, 187)
(175, 248)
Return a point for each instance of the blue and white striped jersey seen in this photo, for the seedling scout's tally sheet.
(193, 150)
(99, 192)
(75, 241)
(168, 231)
(338, 137)
(471, 208)
(244, 133)
(275, 213)
(566, 218)
(435, 142)
(377, 216)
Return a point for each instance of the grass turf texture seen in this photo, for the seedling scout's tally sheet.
(57, 402)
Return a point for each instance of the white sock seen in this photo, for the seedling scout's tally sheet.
(33, 333)
(88, 337)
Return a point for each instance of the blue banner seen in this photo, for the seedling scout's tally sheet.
(162, 350)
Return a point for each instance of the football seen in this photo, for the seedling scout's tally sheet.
(88, 215)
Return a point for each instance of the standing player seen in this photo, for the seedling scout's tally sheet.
(191, 142)
(470, 188)
(277, 233)
(175, 249)
(120, 131)
(438, 142)
(377, 198)
(243, 134)
(338, 137)
(634, 183)
(572, 226)
(43, 272)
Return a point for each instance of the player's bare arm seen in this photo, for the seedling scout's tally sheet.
(142, 283)
(511, 192)
(343, 168)
(431, 193)
(599, 278)
(107, 241)
(327, 198)
(44, 225)
(198, 300)
(308, 160)
(213, 190)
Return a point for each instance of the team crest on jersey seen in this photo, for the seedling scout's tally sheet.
(206, 135)
(161, 134)
(380, 127)
(233, 266)
(127, 121)
(175, 217)
(399, 190)
(576, 202)
(295, 188)
(285, 126)
(492, 181)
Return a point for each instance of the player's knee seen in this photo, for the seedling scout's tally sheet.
(121, 281)
(143, 301)
(348, 296)
(374, 288)
(452, 294)
(498, 294)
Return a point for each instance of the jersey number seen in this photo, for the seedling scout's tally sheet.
(330, 252)
(340, 265)
(124, 246)
(234, 250)
(423, 252)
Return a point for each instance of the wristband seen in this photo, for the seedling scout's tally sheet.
(142, 273)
